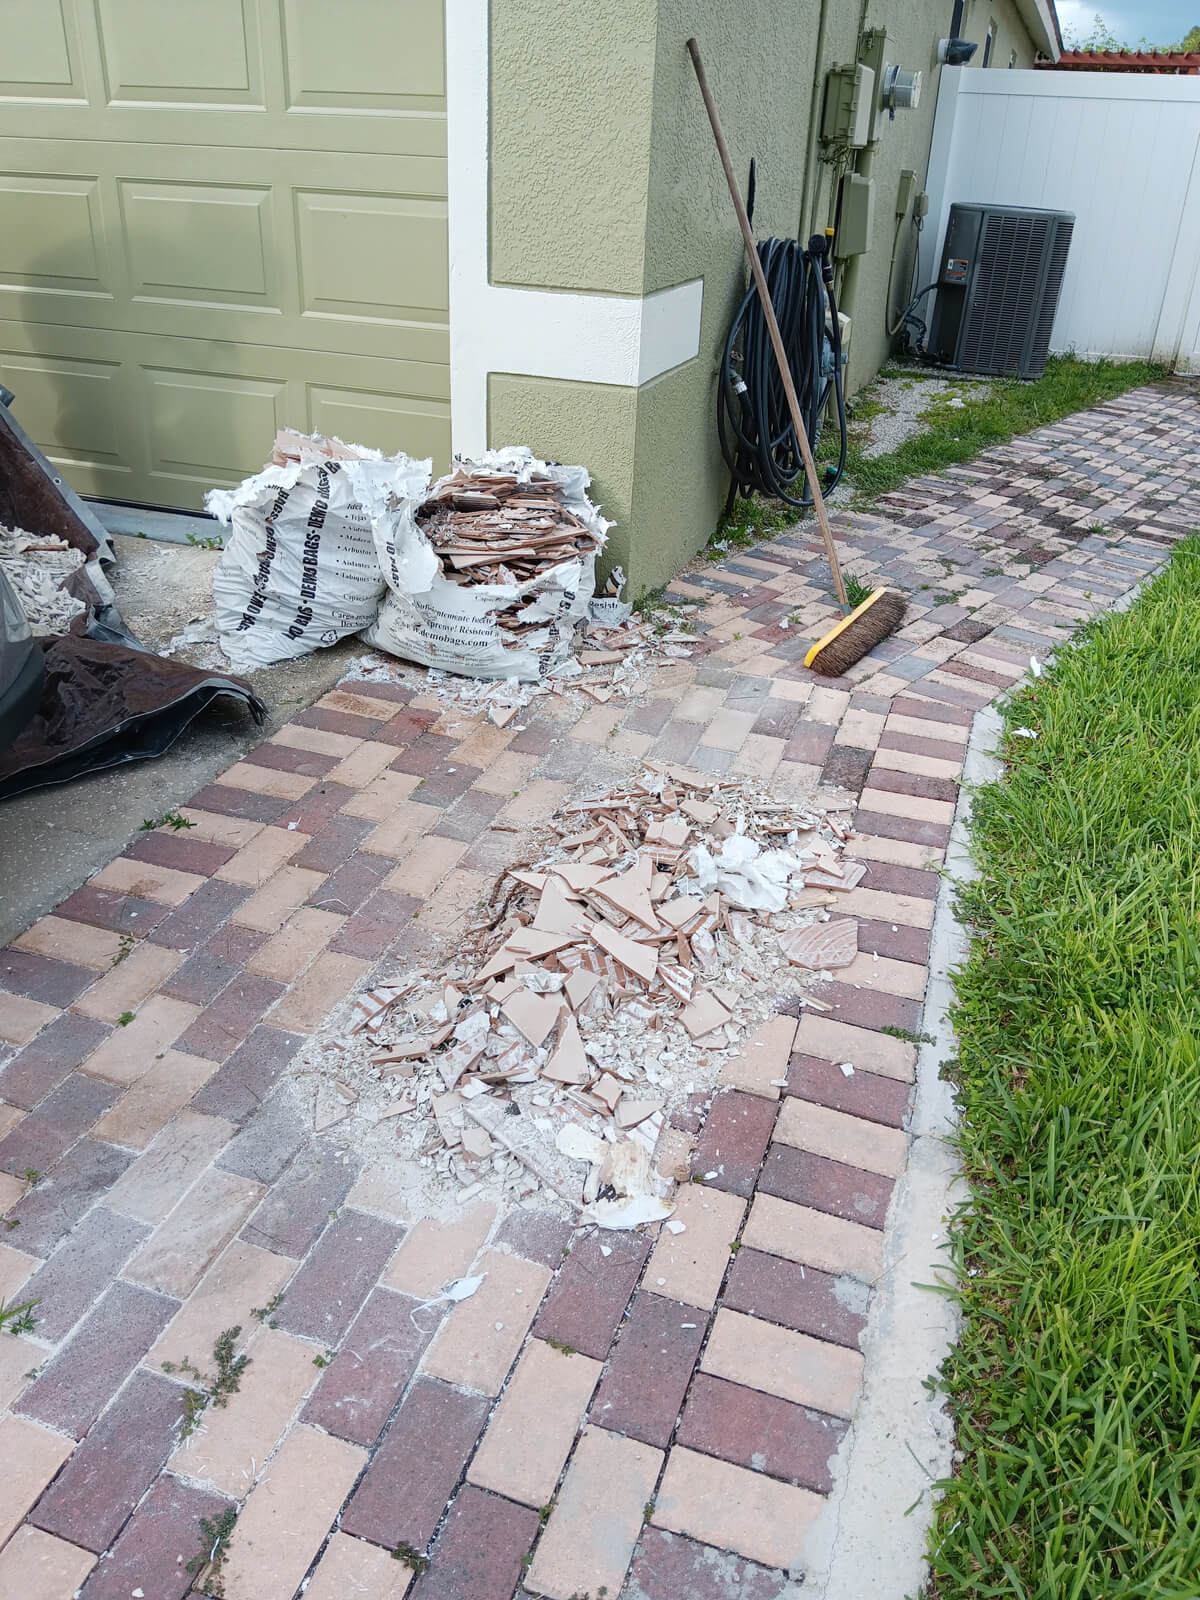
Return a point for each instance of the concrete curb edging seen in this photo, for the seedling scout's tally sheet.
(872, 1537)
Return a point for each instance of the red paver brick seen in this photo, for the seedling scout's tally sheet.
(649, 1370)
(536, 1235)
(897, 879)
(413, 1473)
(245, 1080)
(670, 1566)
(343, 722)
(84, 1175)
(42, 1065)
(425, 754)
(80, 1270)
(54, 983)
(809, 744)
(812, 1180)
(444, 787)
(898, 942)
(917, 744)
(478, 1553)
(214, 965)
(890, 781)
(801, 1298)
(230, 802)
(325, 1295)
(200, 915)
(41, 1138)
(334, 844)
(317, 809)
(156, 1544)
(82, 1378)
(760, 1431)
(301, 1202)
(222, 1026)
(181, 854)
(406, 727)
(268, 1140)
(871, 1008)
(109, 908)
(358, 1392)
(376, 925)
(866, 1094)
(734, 1140)
(846, 767)
(345, 890)
(887, 827)
(588, 1297)
(291, 758)
(114, 1466)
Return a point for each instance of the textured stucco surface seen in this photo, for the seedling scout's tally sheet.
(571, 104)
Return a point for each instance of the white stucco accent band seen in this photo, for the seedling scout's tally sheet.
(543, 333)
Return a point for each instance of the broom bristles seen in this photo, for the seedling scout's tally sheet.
(852, 638)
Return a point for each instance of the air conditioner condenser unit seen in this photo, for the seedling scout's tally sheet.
(998, 287)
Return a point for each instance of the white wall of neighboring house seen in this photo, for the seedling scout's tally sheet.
(1120, 150)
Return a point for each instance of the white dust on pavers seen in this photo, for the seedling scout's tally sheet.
(604, 985)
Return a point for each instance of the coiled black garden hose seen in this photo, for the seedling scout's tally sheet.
(753, 425)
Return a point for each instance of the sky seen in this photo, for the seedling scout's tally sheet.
(1161, 21)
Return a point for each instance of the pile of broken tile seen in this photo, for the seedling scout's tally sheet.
(612, 976)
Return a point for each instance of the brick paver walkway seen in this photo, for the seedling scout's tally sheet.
(685, 1443)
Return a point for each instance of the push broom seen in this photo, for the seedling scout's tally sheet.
(862, 628)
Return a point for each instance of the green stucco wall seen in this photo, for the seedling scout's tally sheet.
(634, 201)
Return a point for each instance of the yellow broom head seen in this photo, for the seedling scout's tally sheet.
(855, 635)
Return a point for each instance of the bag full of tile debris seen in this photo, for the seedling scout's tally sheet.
(490, 572)
(299, 570)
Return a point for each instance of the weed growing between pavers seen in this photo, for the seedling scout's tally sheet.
(216, 1391)
(207, 1567)
(1076, 1384)
(17, 1318)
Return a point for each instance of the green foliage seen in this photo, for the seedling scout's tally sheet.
(1076, 1382)
(215, 1390)
(17, 1318)
(411, 1558)
(856, 592)
(206, 1567)
(175, 820)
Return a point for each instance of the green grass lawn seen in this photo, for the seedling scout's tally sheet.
(1076, 1384)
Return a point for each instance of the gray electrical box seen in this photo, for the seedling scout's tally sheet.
(849, 102)
(853, 237)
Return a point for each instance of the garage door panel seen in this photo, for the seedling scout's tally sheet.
(211, 426)
(193, 52)
(76, 403)
(52, 234)
(386, 57)
(39, 61)
(200, 242)
(374, 255)
(389, 422)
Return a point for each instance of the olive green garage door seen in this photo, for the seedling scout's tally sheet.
(220, 217)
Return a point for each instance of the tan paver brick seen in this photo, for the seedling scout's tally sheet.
(589, 1541)
(254, 863)
(762, 1355)
(689, 1266)
(11, 1190)
(352, 1569)
(242, 1278)
(178, 1252)
(735, 1509)
(129, 1053)
(728, 729)
(147, 881)
(22, 1020)
(154, 1099)
(64, 940)
(437, 1253)
(480, 1339)
(377, 800)
(31, 1456)
(363, 765)
(862, 729)
(905, 978)
(316, 739)
(507, 774)
(534, 1426)
(763, 1059)
(861, 1047)
(912, 910)
(125, 986)
(37, 1566)
(898, 852)
(273, 781)
(424, 868)
(287, 1517)
(838, 1137)
(913, 806)
(211, 827)
(922, 766)
(359, 705)
(758, 756)
(790, 689)
(400, 833)
(303, 936)
(598, 725)
(151, 1188)
(326, 984)
(16, 1268)
(484, 744)
(17, 1358)
(232, 1442)
(9, 1117)
(269, 907)
(827, 705)
(813, 1238)
(454, 901)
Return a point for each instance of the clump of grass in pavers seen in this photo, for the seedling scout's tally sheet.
(1076, 1382)
(207, 1567)
(217, 1389)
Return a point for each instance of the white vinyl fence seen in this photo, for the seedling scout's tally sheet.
(1120, 150)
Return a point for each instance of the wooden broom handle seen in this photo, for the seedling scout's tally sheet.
(785, 371)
